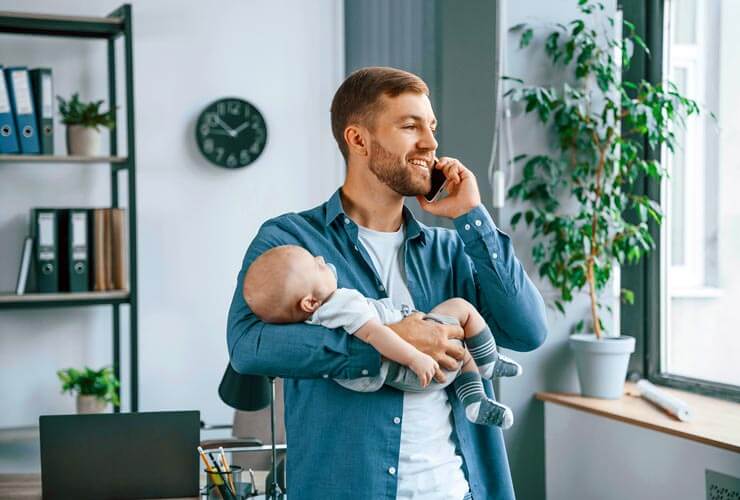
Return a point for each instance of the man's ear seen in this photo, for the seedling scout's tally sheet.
(309, 304)
(357, 139)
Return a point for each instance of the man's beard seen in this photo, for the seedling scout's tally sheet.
(392, 171)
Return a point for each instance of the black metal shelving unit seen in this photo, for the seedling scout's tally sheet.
(110, 28)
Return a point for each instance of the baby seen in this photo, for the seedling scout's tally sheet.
(287, 284)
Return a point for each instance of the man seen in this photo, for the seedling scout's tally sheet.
(389, 444)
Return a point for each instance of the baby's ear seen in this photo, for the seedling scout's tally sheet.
(309, 304)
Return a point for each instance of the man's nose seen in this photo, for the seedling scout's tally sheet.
(428, 141)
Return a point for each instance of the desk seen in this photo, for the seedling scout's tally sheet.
(28, 486)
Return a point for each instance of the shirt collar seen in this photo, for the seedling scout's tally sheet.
(334, 209)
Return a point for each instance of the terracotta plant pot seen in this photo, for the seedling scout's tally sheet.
(82, 141)
(90, 404)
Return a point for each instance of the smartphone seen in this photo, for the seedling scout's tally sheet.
(439, 181)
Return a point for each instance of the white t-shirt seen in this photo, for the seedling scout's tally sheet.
(428, 467)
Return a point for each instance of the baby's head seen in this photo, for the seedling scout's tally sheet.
(286, 284)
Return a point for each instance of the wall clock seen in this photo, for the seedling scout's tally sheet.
(231, 133)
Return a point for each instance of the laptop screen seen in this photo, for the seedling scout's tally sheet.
(121, 456)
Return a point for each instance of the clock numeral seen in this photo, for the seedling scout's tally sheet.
(219, 153)
(255, 149)
(244, 157)
(208, 146)
(221, 108)
(231, 161)
(204, 129)
(234, 108)
(247, 111)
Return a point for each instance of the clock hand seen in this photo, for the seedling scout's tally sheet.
(224, 126)
(241, 127)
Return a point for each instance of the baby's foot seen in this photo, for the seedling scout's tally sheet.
(506, 367)
(489, 412)
(501, 367)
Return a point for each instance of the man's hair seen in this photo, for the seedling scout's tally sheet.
(358, 98)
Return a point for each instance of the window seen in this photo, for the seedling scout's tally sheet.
(700, 238)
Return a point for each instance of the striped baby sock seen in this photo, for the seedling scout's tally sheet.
(490, 363)
(478, 407)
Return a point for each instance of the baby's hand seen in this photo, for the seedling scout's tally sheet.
(425, 367)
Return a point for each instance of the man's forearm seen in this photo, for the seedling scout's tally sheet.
(298, 351)
(510, 303)
(386, 342)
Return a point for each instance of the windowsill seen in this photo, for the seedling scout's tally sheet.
(715, 422)
(703, 292)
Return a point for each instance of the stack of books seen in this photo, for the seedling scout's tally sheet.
(26, 111)
(74, 250)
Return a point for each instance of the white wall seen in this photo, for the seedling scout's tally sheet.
(195, 220)
(589, 456)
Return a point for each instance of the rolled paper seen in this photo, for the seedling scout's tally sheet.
(670, 404)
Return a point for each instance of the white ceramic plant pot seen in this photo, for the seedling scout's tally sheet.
(90, 404)
(83, 141)
(602, 364)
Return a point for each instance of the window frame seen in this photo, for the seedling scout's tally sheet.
(645, 317)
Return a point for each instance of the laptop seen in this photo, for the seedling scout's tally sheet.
(120, 455)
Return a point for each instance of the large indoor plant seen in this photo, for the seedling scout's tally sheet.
(83, 121)
(94, 388)
(579, 202)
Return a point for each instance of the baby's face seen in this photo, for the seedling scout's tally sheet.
(319, 275)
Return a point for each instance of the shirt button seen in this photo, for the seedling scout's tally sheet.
(467, 227)
(478, 223)
(494, 255)
(346, 220)
(391, 470)
(325, 375)
(364, 372)
(381, 288)
(396, 420)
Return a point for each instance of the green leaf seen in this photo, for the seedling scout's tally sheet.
(528, 217)
(526, 38)
(628, 296)
(515, 218)
(560, 307)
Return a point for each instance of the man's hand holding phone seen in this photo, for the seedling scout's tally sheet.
(461, 186)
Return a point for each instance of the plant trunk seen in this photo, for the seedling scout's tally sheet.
(592, 295)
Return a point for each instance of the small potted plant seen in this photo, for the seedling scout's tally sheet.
(83, 121)
(581, 207)
(94, 388)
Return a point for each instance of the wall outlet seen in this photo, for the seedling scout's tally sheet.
(721, 486)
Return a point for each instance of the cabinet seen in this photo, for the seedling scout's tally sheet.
(116, 26)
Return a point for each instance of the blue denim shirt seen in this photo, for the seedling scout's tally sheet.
(345, 444)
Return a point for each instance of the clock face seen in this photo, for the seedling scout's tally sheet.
(231, 133)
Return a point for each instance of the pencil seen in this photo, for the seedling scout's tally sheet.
(221, 473)
(214, 477)
(230, 475)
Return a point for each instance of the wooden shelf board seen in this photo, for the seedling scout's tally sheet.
(715, 422)
(61, 159)
(55, 17)
(11, 300)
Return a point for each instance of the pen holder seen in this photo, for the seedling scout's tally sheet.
(218, 485)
